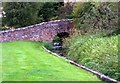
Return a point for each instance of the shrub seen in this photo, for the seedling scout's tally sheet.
(48, 45)
(56, 39)
(96, 52)
(54, 18)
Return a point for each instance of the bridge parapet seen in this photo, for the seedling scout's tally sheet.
(44, 31)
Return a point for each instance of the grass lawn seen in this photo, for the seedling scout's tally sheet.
(28, 61)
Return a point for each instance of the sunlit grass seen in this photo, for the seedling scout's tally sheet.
(25, 60)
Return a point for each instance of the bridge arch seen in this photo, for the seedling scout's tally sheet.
(60, 36)
(63, 34)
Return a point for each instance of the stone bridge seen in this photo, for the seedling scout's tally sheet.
(44, 31)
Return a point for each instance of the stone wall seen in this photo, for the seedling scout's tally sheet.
(39, 32)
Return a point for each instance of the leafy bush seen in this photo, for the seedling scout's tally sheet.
(96, 52)
(19, 14)
(54, 18)
(56, 39)
(48, 45)
(69, 17)
(95, 15)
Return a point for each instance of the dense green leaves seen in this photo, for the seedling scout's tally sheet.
(48, 10)
(20, 14)
(93, 50)
(98, 53)
(96, 15)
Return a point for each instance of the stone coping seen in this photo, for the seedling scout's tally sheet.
(49, 22)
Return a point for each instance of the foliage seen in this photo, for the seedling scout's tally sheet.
(69, 16)
(19, 14)
(48, 45)
(25, 60)
(94, 51)
(96, 15)
(54, 18)
(3, 28)
(48, 10)
(65, 11)
(56, 39)
(97, 51)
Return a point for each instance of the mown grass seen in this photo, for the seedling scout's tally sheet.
(28, 61)
(96, 52)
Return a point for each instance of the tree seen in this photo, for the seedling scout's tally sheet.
(48, 10)
(65, 11)
(19, 14)
(93, 15)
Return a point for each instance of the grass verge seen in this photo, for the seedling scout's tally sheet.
(27, 61)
